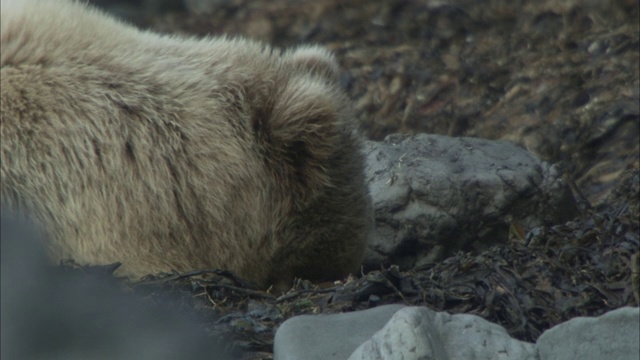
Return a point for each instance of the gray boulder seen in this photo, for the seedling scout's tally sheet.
(324, 337)
(53, 313)
(434, 195)
(417, 333)
(420, 333)
(614, 335)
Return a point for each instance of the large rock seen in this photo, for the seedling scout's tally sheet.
(614, 335)
(325, 337)
(417, 333)
(420, 333)
(53, 313)
(434, 195)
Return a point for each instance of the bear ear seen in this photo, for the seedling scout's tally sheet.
(300, 134)
(315, 60)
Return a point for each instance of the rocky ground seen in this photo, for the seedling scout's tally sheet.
(560, 78)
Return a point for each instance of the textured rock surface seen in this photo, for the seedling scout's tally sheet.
(436, 194)
(420, 333)
(614, 335)
(324, 337)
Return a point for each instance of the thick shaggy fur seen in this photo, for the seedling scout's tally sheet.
(169, 153)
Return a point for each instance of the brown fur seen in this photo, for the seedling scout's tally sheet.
(171, 153)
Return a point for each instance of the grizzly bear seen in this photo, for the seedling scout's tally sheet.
(172, 154)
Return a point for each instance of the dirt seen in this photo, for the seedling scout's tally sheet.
(560, 78)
